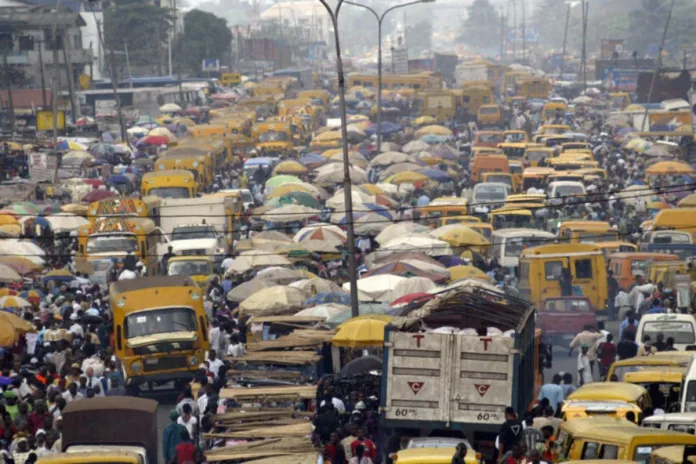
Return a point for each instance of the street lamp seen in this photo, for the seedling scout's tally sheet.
(380, 19)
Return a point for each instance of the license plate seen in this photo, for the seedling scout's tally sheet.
(152, 361)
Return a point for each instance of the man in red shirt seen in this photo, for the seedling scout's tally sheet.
(186, 450)
(38, 419)
(370, 448)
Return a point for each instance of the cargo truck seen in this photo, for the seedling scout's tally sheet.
(458, 383)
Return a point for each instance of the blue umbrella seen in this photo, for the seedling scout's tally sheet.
(5, 381)
(260, 161)
(325, 298)
(385, 128)
(311, 159)
(381, 210)
(450, 261)
(435, 174)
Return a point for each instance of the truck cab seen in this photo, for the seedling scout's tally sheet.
(564, 317)
(198, 239)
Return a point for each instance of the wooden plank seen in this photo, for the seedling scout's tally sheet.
(299, 429)
(289, 319)
(291, 391)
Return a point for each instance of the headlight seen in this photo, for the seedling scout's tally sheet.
(193, 360)
(137, 366)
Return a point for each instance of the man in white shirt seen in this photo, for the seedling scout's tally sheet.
(188, 420)
(337, 402)
(72, 394)
(76, 329)
(214, 334)
(584, 369)
(94, 382)
(214, 364)
(236, 348)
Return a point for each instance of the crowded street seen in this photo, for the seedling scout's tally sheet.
(484, 256)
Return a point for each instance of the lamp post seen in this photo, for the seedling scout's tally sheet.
(380, 19)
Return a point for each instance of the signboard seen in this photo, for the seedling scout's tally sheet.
(231, 79)
(211, 65)
(44, 120)
(400, 60)
(692, 102)
(84, 81)
(610, 46)
(105, 109)
(621, 79)
(38, 160)
(42, 166)
(671, 121)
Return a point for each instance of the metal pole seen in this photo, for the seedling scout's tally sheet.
(654, 76)
(68, 72)
(502, 33)
(524, 30)
(352, 271)
(380, 20)
(130, 73)
(514, 30)
(8, 80)
(114, 81)
(42, 71)
(55, 76)
(585, 10)
(565, 42)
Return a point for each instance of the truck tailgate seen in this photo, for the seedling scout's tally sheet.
(449, 378)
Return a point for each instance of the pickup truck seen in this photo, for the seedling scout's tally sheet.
(561, 319)
(457, 383)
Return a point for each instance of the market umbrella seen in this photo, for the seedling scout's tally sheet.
(424, 121)
(406, 177)
(293, 187)
(372, 189)
(323, 310)
(415, 146)
(583, 100)
(96, 183)
(422, 243)
(362, 365)
(76, 157)
(7, 274)
(433, 139)
(19, 264)
(376, 288)
(153, 140)
(398, 168)
(418, 297)
(329, 136)
(256, 259)
(369, 310)
(688, 201)
(360, 333)
(371, 224)
(445, 152)
(433, 130)
(33, 296)
(312, 160)
(407, 270)
(389, 158)
(169, 108)
(339, 297)
(164, 132)
(355, 159)
(64, 222)
(244, 290)
(317, 285)
(277, 181)
(669, 167)
(289, 167)
(97, 195)
(338, 200)
(138, 132)
(459, 235)
(385, 128)
(658, 151)
(467, 272)
(8, 220)
(400, 229)
(6, 291)
(280, 275)
(289, 213)
(70, 145)
(296, 198)
(14, 302)
(11, 328)
(332, 173)
(327, 232)
(58, 275)
(280, 299)
(435, 174)
(637, 144)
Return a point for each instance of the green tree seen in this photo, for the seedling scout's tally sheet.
(481, 28)
(143, 28)
(205, 36)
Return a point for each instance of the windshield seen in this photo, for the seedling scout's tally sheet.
(536, 155)
(189, 268)
(638, 266)
(596, 237)
(515, 137)
(273, 136)
(568, 190)
(490, 138)
(488, 110)
(621, 371)
(490, 193)
(170, 192)
(112, 243)
(569, 306)
(499, 178)
(193, 233)
(682, 332)
(514, 246)
(670, 238)
(159, 321)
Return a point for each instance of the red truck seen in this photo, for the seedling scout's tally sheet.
(562, 318)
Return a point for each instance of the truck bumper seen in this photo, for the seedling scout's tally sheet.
(160, 378)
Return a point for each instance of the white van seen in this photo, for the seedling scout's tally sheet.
(560, 192)
(681, 327)
(679, 422)
(509, 243)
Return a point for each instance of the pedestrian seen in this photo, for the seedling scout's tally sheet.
(553, 392)
(359, 457)
(188, 420)
(510, 432)
(629, 324)
(607, 355)
(588, 337)
(171, 437)
(568, 386)
(370, 450)
(185, 450)
(459, 454)
(626, 348)
(622, 304)
(531, 435)
(584, 367)
(612, 291)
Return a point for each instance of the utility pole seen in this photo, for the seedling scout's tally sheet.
(69, 73)
(128, 66)
(502, 33)
(658, 64)
(42, 71)
(524, 30)
(114, 81)
(565, 42)
(514, 30)
(55, 76)
(585, 11)
(8, 83)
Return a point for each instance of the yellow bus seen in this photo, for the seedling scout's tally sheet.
(273, 138)
(173, 183)
(199, 165)
(440, 104)
(160, 329)
(426, 80)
